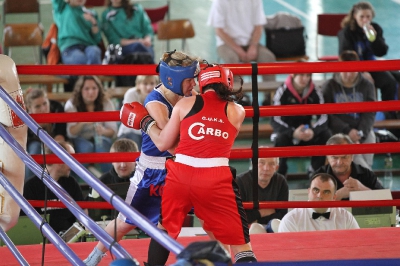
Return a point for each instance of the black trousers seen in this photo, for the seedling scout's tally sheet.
(316, 161)
(387, 83)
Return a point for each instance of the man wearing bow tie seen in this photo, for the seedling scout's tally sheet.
(322, 188)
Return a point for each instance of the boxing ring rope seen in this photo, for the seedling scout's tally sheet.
(12, 247)
(287, 110)
(105, 192)
(247, 205)
(244, 69)
(237, 69)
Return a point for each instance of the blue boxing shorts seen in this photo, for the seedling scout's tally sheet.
(145, 190)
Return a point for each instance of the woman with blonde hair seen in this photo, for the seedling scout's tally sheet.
(144, 85)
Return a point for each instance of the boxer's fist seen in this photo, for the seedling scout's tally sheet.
(132, 114)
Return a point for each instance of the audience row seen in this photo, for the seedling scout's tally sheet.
(87, 137)
(79, 29)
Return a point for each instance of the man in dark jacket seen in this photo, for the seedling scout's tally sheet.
(61, 219)
(271, 187)
(298, 130)
(349, 176)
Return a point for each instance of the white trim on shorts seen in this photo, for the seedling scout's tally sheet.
(201, 162)
(152, 162)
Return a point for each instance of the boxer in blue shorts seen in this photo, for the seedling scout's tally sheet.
(177, 71)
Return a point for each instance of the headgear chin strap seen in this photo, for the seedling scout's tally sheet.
(173, 76)
(215, 74)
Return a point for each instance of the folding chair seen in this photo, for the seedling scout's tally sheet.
(157, 14)
(24, 34)
(328, 25)
(16, 7)
(176, 29)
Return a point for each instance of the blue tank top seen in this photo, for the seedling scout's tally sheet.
(148, 146)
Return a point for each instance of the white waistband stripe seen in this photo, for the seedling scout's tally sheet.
(201, 162)
(152, 162)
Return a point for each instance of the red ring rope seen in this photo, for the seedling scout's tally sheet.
(242, 69)
(247, 205)
(303, 151)
(328, 108)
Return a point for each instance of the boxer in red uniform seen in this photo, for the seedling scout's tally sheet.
(206, 126)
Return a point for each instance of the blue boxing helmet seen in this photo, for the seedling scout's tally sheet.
(173, 76)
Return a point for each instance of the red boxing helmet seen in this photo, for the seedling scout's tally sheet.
(215, 74)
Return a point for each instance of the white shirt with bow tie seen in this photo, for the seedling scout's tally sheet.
(300, 219)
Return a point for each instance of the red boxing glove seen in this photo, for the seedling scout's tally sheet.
(132, 114)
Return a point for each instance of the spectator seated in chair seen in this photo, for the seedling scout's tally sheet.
(322, 188)
(348, 87)
(37, 103)
(78, 32)
(129, 26)
(238, 29)
(348, 175)
(34, 189)
(144, 85)
(119, 175)
(356, 25)
(272, 186)
(299, 89)
(88, 137)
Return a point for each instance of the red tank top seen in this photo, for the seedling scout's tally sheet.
(208, 133)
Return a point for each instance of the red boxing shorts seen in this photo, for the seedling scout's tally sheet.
(213, 194)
